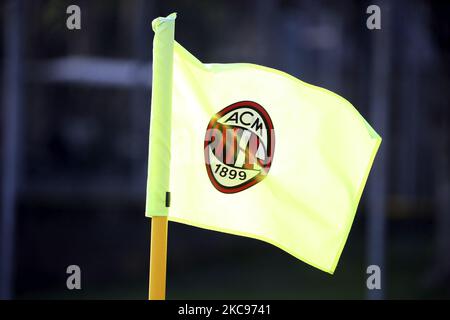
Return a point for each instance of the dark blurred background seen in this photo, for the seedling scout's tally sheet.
(74, 141)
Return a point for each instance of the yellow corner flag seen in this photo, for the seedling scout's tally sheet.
(252, 151)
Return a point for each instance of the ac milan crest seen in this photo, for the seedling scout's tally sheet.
(239, 146)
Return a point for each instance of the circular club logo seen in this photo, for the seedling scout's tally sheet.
(239, 146)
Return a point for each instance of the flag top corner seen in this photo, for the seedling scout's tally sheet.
(160, 21)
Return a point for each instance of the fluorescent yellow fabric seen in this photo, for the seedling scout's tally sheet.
(159, 150)
(324, 150)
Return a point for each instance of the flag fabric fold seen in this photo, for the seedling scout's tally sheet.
(252, 151)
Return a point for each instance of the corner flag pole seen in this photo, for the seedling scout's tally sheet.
(158, 259)
(158, 195)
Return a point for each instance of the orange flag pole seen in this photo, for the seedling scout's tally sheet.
(158, 259)
(159, 152)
